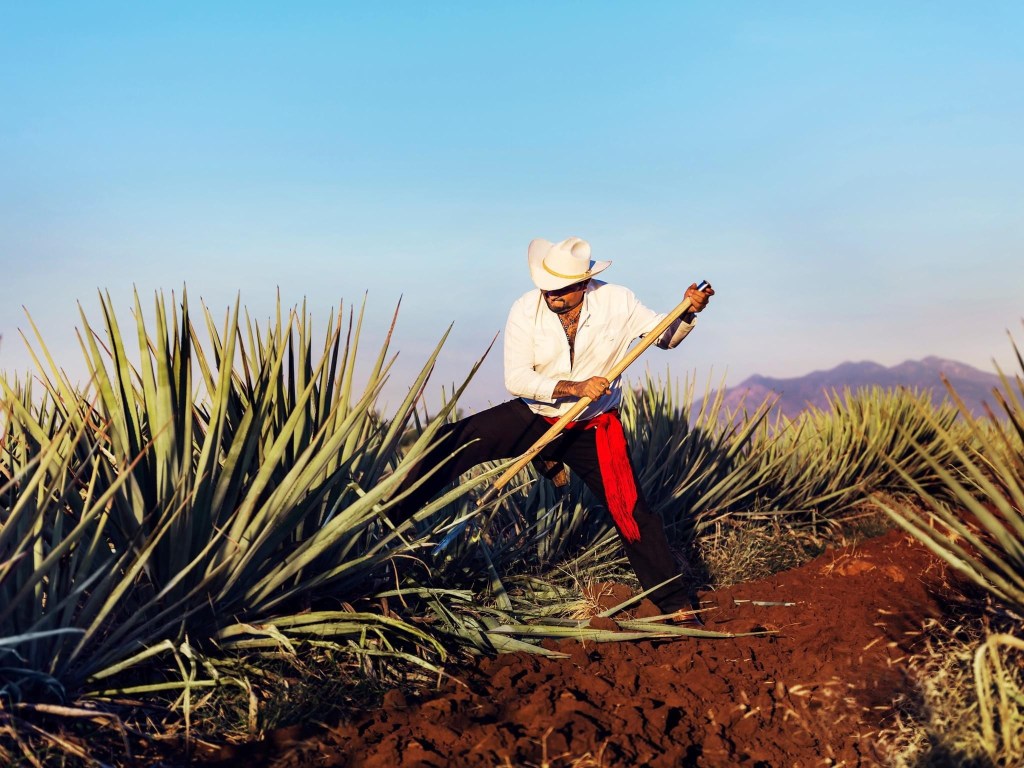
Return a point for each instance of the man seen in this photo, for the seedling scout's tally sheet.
(560, 340)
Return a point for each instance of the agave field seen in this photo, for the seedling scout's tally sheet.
(196, 560)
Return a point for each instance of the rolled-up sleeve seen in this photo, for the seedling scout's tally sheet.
(521, 377)
(675, 333)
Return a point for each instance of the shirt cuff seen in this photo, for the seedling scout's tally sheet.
(534, 387)
(678, 331)
(546, 392)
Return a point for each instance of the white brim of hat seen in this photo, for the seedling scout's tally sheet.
(549, 280)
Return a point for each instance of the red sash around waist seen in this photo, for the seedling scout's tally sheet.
(616, 473)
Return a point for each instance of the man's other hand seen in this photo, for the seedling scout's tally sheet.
(698, 299)
(593, 388)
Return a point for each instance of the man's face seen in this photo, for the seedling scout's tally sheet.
(565, 299)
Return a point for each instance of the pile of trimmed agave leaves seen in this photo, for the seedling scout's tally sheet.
(215, 499)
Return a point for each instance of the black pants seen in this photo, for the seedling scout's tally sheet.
(509, 430)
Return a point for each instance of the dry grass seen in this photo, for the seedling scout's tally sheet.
(940, 723)
(737, 552)
(594, 597)
(737, 549)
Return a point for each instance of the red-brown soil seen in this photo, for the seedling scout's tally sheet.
(812, 693)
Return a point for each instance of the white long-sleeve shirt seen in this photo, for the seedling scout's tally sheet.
(537, 350)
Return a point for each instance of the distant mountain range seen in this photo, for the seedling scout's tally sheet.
(973, 386)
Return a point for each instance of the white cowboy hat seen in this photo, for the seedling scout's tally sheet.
(557, 265)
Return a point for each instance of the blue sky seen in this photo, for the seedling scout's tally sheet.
(849, 176)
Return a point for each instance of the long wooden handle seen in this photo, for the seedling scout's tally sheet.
(581, 405)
